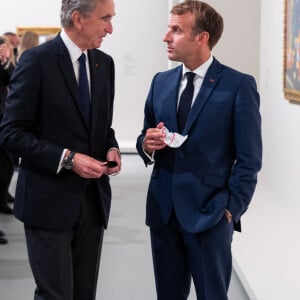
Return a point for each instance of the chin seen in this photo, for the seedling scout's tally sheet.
(98, 45)
(172, 57)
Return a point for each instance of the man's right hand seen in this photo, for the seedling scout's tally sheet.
(154, 139)
(88, 167)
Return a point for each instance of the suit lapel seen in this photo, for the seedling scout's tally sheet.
(99, 109)
(170, 99)
(66, 68)
(209, 83)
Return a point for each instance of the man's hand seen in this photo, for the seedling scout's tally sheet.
(114, 155)
(88, 167)
(228, 215)
(154, 139)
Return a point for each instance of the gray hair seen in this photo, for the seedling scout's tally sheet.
(69, 6)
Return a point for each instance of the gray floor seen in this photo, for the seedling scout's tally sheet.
(126, 266)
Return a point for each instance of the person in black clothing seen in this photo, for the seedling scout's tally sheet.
(6, 159)
(14, 40)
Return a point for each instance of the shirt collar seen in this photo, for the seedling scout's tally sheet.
(201, 70)
(73, 49)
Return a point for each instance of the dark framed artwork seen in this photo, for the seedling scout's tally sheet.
(291, 76)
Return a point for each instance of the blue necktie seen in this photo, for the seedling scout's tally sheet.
(185, 101)
(84, 88)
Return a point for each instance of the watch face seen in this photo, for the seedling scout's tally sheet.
(68, 163)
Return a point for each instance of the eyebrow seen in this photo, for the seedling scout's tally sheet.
(175, 27)
(108, 16)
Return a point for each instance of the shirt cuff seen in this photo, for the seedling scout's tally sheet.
(151, 157)
(60, 166)
(116, 149)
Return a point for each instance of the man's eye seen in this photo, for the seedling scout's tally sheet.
(176, 29)
(106, 19)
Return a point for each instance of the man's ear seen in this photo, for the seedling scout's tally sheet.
(202, 38)
(76, 18)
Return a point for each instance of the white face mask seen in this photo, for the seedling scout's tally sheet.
(173, 139)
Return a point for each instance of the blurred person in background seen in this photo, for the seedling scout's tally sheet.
(6, 160)
(28, 40)
(14, 41)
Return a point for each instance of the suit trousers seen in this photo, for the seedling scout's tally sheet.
(179, 256)
(65, 263)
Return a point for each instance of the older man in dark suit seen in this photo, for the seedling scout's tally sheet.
(58, 119)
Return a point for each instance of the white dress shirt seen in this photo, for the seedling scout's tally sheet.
(198, 79)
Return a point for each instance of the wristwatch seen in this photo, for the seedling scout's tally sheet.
(68, 161)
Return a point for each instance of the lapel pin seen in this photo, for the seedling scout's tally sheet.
(211, 80)
(97, 65)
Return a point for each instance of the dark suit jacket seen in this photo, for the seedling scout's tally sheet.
(42, 117)
(216, 168)
(5, 75)
(6, 160)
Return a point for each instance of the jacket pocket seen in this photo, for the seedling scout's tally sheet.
(219, 182)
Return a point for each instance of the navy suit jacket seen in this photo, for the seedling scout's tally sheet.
(42, 117)
(216, 168)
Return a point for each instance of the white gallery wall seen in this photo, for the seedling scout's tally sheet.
(269, 249)
(29, 13)
(267, 252)
(137, 48)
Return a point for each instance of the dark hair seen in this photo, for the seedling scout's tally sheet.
(206, 19)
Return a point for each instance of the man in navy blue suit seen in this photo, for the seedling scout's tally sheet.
(63, 192)
(205, 163)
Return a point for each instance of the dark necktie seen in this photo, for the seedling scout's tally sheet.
(84, 88)
(185, 101)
